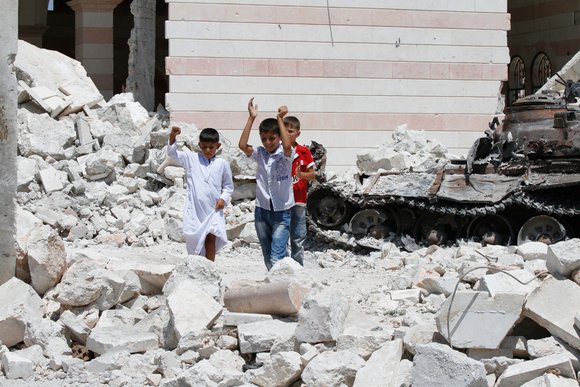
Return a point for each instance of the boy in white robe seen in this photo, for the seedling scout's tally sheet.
(209, 189)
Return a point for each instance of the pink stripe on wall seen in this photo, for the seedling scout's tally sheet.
(339, 16)
(344, 121)
(333, 68)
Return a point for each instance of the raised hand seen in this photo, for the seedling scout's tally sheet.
(282, 111)
(252, 109)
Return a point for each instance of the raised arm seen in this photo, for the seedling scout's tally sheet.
(286, 143)
(172, 151)
(253, 113)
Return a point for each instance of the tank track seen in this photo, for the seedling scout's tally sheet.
(538, 201)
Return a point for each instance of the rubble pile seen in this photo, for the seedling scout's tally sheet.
(410, 150)
(134, 316)
(104, 293)
(97, 172)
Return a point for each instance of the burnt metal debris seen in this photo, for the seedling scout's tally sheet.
(520, 182)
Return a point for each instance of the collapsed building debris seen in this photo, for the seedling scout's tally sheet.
(87, 309)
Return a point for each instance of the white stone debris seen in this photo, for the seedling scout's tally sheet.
(478, 320)
(554, 305)
(437, 365)
(332, 369)
(322, 316)
(382, 369)
(105, 293)
(518, 374)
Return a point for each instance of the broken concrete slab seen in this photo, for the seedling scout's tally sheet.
(517, 344)
(191, 308)
(363, 342)
(550, 346)
(198, 269)
(234, 319)
(439, 285)
(50, 179)
(260, 336)
(76, 326)
(19, 305)
(518, 374)
(437, 365)
(16, 367)
(281, 369)
(478, 320)
(382, 369)
(288, 270)
(46, 258)
(332, 369)
(322, 316)
(554, 305)
(108, 339)
(505, 283)
(533, 250)
(564, 257)
(277, 298)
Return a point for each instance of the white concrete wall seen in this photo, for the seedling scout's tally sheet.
(434, 65)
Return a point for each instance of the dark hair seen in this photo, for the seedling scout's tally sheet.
(269, 125)
(293, 121)
(209, 135)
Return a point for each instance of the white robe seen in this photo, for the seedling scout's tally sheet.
(207, 181)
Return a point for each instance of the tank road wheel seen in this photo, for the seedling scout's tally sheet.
(377, 223)
(436, 229)
(328, 209)
(491, 230)
(542, 228)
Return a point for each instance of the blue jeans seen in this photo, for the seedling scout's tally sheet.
(298, 233)
(272, 228)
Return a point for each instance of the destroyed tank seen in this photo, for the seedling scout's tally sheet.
(521, 182)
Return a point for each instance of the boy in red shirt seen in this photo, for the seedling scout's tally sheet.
(302, 172)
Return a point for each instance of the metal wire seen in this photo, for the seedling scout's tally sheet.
(477, 268)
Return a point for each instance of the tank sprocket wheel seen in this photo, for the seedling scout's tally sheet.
(328, 209)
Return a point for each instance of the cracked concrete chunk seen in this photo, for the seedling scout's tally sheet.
(437, 365)
(518, 374)
(478, 320)
(554, 305)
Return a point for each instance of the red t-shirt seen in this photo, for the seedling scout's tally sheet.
(302, 158)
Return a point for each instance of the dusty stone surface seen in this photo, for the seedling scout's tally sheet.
(382, 369)
(438, 365)
(332, 369)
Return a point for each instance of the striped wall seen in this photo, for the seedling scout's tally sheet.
(549, 26)
(351, 72)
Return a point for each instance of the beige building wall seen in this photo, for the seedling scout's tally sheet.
(352, 72)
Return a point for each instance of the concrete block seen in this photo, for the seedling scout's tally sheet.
(407, 295)
(332, 369)
(382, 369)
(478, 354)
(19, 304)
(322, 316)
(260, 336)
(564, 257)
(288, 270)
(234, 319)
(16, 367)
(102, 340)
(50, 180)
(518, 374)
(533, 250)
(554, 305)
(478, 320)
(108, 361)
(76, 326)
(550, 346)
(202, 271)
(281, 369)
(46, 258)
(503, 283)
(437, 365)
(439, 285)
(361, 341)
(191, 308)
